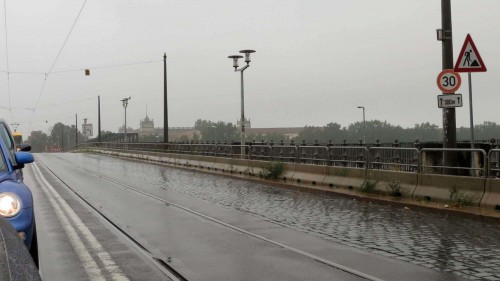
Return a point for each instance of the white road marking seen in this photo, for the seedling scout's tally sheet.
(63, 211)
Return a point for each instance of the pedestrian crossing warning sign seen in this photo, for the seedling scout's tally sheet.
(469, 59)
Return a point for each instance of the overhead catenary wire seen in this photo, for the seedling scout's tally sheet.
(82, 68)
(57, 57)
(107, 66)
(67, 37)
(63, 103)
(23, 72)
(7, 56)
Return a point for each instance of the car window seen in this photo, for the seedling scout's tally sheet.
(3, 165)
(4, 134)
(7, 139)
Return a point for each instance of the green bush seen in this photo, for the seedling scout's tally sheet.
(459, 198)
(369, 186)
(394, 188)
(273, 170)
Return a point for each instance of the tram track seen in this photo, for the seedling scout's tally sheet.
(164, 265)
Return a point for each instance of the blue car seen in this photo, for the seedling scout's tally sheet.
(16, 200)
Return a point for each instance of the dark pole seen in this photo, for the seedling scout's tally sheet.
(165, 104)
(76, 129)
(449, 120)
(126, 124)
(99, 118)
(62, 136)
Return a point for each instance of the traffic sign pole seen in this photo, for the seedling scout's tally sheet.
(449, 119)
(471, 114)
(469, 60)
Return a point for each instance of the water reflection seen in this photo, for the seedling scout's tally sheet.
(444, 242)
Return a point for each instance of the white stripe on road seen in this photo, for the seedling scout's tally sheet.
(63, 211)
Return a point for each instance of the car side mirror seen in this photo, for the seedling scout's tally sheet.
(24, 147)
(23, 158)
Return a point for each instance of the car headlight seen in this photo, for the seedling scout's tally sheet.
(10, 204)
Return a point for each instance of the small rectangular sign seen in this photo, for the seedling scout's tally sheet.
(449, 101)
(87, 130)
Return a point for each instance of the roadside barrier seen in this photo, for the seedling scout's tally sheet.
(408, 172)
(309, 174)
(347, 177)
(491, 198)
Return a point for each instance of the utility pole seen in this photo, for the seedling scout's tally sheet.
(62, 136)
(99, 118)
(165, 103)
(76, 129)
(449, 119)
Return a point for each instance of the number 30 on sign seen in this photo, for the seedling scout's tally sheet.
(448, 81)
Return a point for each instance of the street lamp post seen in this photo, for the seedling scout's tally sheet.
(364, 124)
(125, 104)
(215, 133)
(235, 65)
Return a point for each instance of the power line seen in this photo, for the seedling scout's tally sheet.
(39, 95)
(62, 103)
(7, 55)
(22, 72)
(80, 69)
(67, 37)
(57, 57)
(107, 66)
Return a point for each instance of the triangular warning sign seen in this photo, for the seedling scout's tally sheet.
(469, 59)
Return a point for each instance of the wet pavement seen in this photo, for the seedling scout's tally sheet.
(445, 242)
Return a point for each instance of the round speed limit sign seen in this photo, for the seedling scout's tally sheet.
(448, 81)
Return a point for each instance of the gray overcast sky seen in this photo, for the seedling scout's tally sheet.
(316, 61)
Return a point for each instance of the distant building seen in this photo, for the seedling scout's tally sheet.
(147, 127)
(248, 124)
(287, 132)
(148, 133)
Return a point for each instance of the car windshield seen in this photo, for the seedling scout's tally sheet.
(3, 164)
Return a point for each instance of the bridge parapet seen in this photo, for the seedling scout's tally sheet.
(419, 172)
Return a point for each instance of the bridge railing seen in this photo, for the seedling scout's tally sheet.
(471, 162)
(261, 152)
(316, 155)
(494, 163)
(348, 156)
(204, 149)
(394, 158)
(285, 153)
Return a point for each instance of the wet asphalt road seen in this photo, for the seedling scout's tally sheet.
(338, 229)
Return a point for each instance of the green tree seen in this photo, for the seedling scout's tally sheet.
(486, 131)
(211, 131)
(64, 136)
(426, 132)
(38, 140)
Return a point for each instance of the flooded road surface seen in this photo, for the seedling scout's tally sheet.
(343, 229)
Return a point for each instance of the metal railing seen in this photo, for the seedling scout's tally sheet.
(316, 155)
(261, 152)
(394, 158)
(471, 162)
(494, 163)
(473, 165)
(285, 153)
(348, 156)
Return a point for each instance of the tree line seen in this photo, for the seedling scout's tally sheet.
(333, 132)
(63, 136)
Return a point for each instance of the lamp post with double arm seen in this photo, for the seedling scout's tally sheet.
(235, 59)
